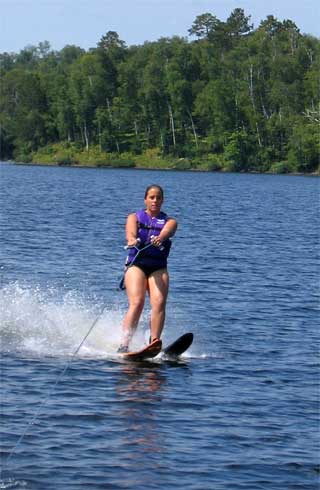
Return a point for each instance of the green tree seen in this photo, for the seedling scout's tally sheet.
(237, 151)
(304, 146)
(204, 25)
(88, 90)
(23, 107)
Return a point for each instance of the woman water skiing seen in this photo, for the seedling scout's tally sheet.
(150, 229)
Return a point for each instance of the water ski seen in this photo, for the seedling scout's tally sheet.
(147, 352)
(179, 346)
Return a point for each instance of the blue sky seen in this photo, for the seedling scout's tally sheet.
(83, 22)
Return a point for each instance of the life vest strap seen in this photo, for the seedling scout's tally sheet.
(148, 227)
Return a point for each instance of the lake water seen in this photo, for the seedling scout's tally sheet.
(239, 411)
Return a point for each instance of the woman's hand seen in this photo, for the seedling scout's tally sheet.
(155, 240)
(168, 231)
(133, 242)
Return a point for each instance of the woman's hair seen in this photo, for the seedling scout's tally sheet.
(154, 186)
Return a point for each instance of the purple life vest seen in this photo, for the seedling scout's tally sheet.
(149, 226)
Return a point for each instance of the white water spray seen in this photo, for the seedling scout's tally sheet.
(42, 323)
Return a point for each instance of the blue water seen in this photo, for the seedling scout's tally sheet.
(239, 411)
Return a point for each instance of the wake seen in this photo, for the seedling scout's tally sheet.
(42, 323)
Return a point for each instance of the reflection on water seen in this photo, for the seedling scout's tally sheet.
(140, 381)
(140, 389)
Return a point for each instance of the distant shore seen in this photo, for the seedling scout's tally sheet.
(152, 167)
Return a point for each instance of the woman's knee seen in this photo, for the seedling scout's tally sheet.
(137, 303)
(158, 302)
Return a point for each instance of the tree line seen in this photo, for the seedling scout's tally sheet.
(228, 96)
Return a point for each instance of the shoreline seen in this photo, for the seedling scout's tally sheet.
(166, 169)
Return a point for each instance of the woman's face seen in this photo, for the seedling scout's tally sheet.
(154, 200)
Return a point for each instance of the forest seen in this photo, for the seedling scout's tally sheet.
(226, 97)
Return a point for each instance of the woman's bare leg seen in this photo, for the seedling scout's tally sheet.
(158, 284)
(136, 286)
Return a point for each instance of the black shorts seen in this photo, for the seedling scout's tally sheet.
(148, 270)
